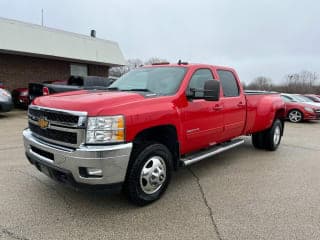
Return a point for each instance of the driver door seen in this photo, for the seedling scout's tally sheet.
(202, 120)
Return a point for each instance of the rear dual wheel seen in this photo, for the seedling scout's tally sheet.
(269, 139)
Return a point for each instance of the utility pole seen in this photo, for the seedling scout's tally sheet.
(42, 17)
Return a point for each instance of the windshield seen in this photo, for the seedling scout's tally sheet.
(157, 80)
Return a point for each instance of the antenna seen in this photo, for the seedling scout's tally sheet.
(42, 17)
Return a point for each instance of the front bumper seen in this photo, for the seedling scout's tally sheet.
(311, 116)
(112, 160)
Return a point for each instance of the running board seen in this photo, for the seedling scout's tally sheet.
(198, 156)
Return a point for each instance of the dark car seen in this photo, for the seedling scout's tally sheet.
(74, 83)
(20, 97)
(5, 101)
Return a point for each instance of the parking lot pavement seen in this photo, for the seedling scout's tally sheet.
(241, 194)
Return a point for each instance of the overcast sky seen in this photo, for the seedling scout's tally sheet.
(270, 38)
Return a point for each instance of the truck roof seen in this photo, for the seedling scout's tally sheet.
(188, 65)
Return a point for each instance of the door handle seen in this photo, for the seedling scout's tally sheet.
(240, 104)
(217, 108)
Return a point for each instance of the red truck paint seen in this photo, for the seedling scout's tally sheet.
(238, 116)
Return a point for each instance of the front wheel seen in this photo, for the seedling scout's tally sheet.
(149, 175)
(295, 116)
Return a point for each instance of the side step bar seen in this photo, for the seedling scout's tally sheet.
(198, 156)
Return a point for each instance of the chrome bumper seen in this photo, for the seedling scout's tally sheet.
(112, 160)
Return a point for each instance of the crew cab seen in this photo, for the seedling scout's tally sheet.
(147, 124)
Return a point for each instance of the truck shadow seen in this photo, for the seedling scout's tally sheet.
(101, 201)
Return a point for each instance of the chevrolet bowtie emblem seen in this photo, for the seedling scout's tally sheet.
(43, 123)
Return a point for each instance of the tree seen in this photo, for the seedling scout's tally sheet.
(155, 60)
(303, 82)
(261, 83)
(132, 64)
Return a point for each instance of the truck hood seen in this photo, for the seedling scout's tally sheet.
(92, 102)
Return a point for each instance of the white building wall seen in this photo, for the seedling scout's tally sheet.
(41, 41)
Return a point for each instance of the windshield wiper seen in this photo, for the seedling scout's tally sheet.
(113, 88)
(138, 90)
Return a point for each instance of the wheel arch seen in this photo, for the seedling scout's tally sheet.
(164, 134)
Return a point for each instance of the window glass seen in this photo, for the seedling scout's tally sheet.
(78, 70)
(229, 83)
(198, 79)
(159, 80)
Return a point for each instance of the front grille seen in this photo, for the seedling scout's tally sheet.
(53, 116)
(56, 135)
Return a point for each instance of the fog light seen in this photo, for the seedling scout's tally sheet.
(94, 172)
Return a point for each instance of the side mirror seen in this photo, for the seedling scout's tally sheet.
(211, 90)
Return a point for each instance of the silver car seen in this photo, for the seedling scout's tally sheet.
(5, 101)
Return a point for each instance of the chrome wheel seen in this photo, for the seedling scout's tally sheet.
(277, 135)
(153, 175)
(295, 116)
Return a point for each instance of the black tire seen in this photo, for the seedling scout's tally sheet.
(272, 136)
(258, 140)
(136, 184)
(295, 116)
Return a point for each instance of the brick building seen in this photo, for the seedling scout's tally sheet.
(32, 53)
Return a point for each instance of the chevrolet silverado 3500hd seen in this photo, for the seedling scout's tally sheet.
(147, 124)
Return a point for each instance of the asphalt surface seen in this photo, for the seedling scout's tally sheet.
(240, 194)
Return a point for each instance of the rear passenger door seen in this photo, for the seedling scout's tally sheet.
(234, 104)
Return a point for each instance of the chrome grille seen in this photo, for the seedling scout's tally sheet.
(65, 128)
(52, 116)
(66, 137)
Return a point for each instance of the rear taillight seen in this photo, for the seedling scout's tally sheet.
(45, 91)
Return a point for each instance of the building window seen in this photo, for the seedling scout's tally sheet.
(78, 70)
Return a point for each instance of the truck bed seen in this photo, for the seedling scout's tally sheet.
(262, 108)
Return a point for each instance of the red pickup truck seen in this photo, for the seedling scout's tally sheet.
(148, 123)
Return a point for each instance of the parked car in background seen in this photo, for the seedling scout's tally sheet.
(313, 97)
(301, 98)
(298, 110)
(20, 97)
(5, 100)
(1, 85)
(72, 84)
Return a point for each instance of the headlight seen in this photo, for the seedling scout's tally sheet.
(309, 109)
(105, 129)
